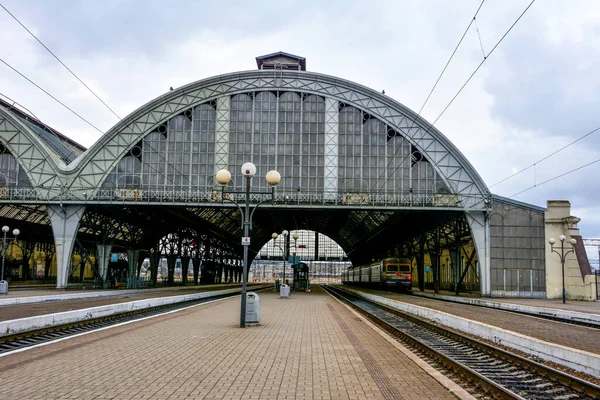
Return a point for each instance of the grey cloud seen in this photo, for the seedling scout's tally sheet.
(148, 26)
(548, 87)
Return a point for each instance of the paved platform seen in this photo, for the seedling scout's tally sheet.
(573, 336)
(307, 347)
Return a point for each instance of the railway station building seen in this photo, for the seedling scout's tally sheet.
(356, 166)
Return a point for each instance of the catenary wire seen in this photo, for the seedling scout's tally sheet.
(482, 62)
(152, 148)
(54, 98)
(546, 157)
(450, 59)
(472, 74)
(60, 61)
(431, 92)
(556, 177)
(166, 175)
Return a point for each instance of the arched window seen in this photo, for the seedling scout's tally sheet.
(14, 175)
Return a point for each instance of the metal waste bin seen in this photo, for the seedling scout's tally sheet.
(284, 291)
(3, 287)
(277, 285)
(252, 308)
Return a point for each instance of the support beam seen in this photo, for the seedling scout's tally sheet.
(65, 225)
(133, 257)
(103, 252)
(479, 222)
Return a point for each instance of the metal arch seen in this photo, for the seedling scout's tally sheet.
(40, 163)
(97, 162)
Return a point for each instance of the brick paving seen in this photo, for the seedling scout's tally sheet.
(307, 347)
(578, 337)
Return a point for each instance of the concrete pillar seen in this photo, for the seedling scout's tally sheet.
(154, 256)
(133, 257)
(143, 255)
(558, 221)
(185, 264)
(196, 265)
(479, 222)
(103, 253)
(171, 260)
(65, 225)
(421, 264)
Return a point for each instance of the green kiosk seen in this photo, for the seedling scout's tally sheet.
(301, 281)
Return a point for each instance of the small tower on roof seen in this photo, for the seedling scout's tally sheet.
(281, 60)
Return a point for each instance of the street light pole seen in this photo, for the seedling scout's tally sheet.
(563, 257)
(275, 236)
(223, 178)
(295, 236)
(246, 235)
(15, 232)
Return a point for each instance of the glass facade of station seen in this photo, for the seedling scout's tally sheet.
(283, 131)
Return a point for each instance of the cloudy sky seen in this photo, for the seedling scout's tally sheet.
(538, 91)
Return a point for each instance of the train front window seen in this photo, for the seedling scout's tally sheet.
(398, 268)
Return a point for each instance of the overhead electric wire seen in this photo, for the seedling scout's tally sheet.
(451, 57)
(556, 177)
(546, 157)
(432, 90)
(60, 61)
(466, 82)
(54, 98)
(166, 175)
(483, 61)
(89, 123)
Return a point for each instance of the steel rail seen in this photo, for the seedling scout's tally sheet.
(493, 369)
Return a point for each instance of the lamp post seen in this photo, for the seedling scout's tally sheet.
(223, 178)
(275, 236)
(562, 256)
(15, 232)
(295, 236)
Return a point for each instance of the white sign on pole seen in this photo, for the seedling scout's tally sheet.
(246, 241)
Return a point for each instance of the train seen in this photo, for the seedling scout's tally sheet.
(389, 273)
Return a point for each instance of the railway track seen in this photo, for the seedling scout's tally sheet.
(29, 339)
(495, 371)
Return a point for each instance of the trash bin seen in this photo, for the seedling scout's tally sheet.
(277, 285)
(284, 291)
(3, 287)
(252, 308)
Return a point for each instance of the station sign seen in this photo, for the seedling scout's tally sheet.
(245, 240)
(114, 257)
